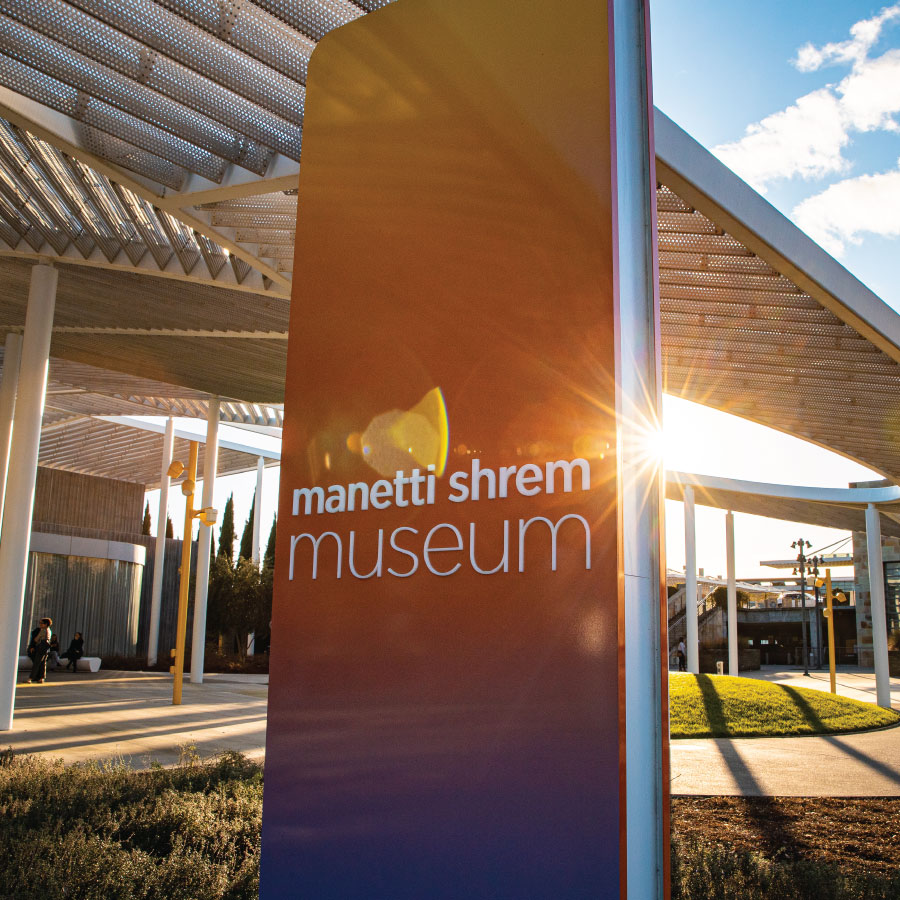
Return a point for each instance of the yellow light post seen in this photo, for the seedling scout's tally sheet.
(829, 615)
(207, 517)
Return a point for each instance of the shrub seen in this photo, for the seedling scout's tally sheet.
(717, 873)
(108, 833)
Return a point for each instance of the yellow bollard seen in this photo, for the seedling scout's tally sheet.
(183, 587)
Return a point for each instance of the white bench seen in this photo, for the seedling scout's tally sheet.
(85, 664)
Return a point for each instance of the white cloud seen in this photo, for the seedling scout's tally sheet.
(805, 139)
(808, 138)
(843, 212)
(864, 35)
(870, 95)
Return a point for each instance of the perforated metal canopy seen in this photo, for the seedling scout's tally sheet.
(162, 139)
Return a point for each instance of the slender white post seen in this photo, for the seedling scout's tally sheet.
(160, 558)
(12, 353)
(690, 583)
(23, 458)
(257, 516)
(639, 407)
(876, 607)
(733, 663)
(257, 501)
(210, 465)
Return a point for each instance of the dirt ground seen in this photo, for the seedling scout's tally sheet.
(858, 835)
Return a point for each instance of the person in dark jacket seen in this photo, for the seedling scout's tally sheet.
(75, 651)
(39, 648)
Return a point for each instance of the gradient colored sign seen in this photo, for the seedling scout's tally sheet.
(445, 708)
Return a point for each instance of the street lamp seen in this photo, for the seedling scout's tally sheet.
(817, 583)
(207, 516)
(802, 546)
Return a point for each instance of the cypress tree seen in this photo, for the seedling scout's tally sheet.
(246, 551)
(145, 525)
(226, 535)
(170, 530)
(269, 556)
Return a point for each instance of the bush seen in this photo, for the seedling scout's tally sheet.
(109, 833)
(716, 873)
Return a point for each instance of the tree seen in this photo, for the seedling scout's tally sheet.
(226, 535)
(251, 606)
(218, 596)
(170, 530)
(246, 551)
(145, 525)
(239, 601)
(269, 555)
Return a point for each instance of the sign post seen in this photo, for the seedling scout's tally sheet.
(465, 510)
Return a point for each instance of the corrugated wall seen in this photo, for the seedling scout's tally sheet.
(86, 501)
(98, 597)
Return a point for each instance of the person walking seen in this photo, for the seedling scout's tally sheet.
(682, 657)
(39, 648)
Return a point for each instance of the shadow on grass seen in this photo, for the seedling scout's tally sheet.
(815, 722)
(712, 705)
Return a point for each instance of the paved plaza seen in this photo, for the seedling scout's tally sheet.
(128, 716)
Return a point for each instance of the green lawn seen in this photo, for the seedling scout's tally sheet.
(723, 706)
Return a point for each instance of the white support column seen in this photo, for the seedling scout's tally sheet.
(23, 458)
(690, 583)
(257, 518)
(876, 607)
(12, 353)
(160, 557)
(732, 595)
(210, 465)
(257, 515)
(639, 407)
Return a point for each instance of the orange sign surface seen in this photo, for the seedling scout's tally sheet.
(445, 698)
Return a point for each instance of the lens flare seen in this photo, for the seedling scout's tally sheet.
(400, 440)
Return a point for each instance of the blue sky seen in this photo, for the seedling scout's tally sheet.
(802, 101)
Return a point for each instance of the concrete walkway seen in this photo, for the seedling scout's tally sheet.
(851, 765)
(129, 716)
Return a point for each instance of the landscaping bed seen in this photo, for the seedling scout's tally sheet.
(192, 832)
(785, 848)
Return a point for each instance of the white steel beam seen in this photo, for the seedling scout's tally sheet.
(60, 131)
(690, 583)
(201, 589)
(12, 353)
(733, 659)
(23, 459)
(706, 184)
(257, 515)
(876, 607)
(172, 332)
(160, 557)
(183, 434)
(638, 408)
